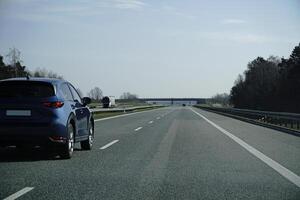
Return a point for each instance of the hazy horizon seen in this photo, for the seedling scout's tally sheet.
(150, 48)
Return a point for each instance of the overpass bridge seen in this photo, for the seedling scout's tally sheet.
(175, 101)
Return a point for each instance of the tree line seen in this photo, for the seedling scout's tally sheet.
(96, 95)
(271, 84)
(14, 69)
(219, 100)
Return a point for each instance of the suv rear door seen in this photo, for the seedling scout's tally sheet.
(82, 112)
(68, 97)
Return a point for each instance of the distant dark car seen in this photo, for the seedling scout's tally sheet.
(44, 112)
(105, 102)
(183, 104)
(108, 102)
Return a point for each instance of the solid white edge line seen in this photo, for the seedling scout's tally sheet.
(137, 129)
(124, 115)
(19, 193)
(291, 176)
(109, 144)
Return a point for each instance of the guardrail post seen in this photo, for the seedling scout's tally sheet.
(298, 125)
(285, 123)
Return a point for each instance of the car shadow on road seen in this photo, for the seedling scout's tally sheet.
(13, 154)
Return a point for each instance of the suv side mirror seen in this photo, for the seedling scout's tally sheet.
(86, 101)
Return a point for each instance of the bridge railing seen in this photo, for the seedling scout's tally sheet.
(278, 120)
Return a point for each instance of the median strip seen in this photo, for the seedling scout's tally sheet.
(19, 193)
(109, 144)
(124, 115)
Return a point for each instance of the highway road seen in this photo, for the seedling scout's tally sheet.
(167, 153)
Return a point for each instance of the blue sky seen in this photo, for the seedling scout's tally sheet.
(157, 48)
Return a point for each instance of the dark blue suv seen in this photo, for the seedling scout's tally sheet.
(44, 112)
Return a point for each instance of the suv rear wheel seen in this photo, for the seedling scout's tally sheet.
(68, 147)
(87, 144)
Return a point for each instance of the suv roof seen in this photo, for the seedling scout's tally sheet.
(48, 80)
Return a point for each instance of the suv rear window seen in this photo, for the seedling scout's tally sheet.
(36, 89)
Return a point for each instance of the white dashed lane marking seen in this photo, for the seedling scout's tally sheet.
(19, 193)
(109, 144)
(137, 129)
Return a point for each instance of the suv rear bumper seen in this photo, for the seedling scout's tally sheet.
(29, 135)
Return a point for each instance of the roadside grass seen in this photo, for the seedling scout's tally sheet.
(133, 104)
(93, 105)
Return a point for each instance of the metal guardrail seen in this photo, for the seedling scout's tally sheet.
(125, 109)
(288, 122)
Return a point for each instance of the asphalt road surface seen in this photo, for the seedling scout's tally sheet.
(168, 153)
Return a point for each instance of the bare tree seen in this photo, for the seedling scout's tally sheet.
(96, 94)
(14, 57)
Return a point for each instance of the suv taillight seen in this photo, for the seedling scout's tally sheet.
(54, 104)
